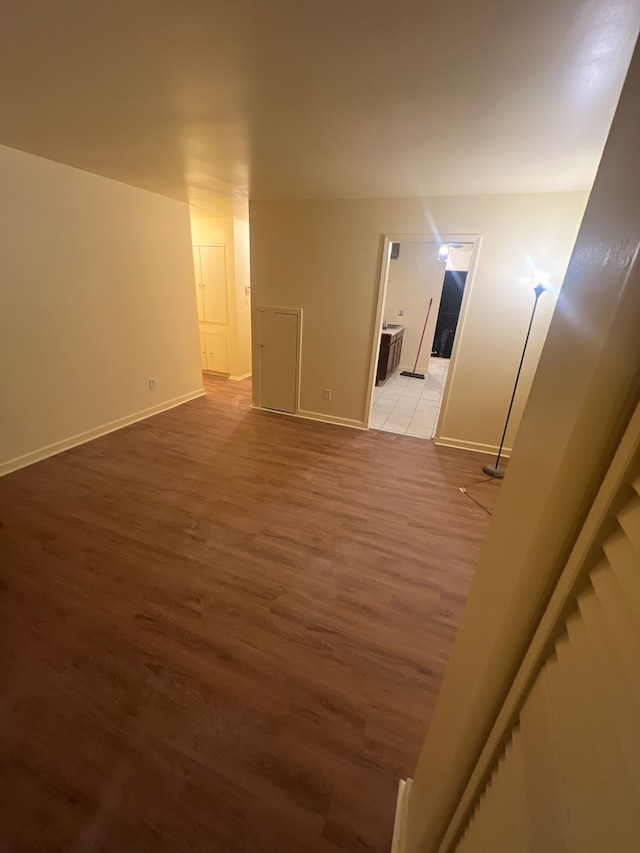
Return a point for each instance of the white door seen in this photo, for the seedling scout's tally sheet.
(278, 360)
(203, 350)
(214, 279)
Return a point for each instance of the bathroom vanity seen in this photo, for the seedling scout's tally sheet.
(390, 352)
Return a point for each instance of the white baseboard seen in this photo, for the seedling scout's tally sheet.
(82, 437)
(399, 842)
(316, 416)
(474, 446)
(226, 375)
(330, 419)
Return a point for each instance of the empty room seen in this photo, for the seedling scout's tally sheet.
(246, 602)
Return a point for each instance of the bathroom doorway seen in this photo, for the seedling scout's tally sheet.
(423, 295)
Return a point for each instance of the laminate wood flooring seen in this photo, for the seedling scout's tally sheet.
(224, 630)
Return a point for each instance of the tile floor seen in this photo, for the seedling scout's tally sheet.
(410, 406)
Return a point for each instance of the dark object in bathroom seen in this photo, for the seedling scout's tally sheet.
(448, 313)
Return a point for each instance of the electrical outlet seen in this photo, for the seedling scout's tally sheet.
(152, 385)
(326, 394)
(401, 313)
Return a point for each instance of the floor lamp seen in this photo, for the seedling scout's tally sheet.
(495, 470)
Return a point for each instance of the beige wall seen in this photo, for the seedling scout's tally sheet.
(586, 386)
(243, 295)
(96, 298)
(325, 257)
(232, 231)
(415, 277)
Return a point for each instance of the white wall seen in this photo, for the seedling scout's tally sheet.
(415, 277)
(96, 298)
(325, 256)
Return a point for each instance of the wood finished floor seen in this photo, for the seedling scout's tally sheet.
(224, 630)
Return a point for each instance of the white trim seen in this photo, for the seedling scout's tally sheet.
(462, 322)
(476, 447)
(315, 416)
(83, 437)
(221, 375)
(331, 419)
(427, 237)
(399, 842)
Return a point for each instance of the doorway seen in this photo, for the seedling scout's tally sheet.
(421, 305)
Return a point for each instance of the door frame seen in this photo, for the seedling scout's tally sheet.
(257, 378)
(426, 237)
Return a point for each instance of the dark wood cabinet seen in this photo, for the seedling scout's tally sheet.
(390, 353)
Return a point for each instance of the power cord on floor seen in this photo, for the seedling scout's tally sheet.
(463, 490)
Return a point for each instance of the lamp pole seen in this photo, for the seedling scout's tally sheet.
(495, 470)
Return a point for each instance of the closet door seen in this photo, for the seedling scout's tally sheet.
(217, 352)
(278, 332)
(214, 280)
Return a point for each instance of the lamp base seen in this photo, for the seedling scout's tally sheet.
(494, 471)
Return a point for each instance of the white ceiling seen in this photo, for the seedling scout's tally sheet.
(317, 98)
